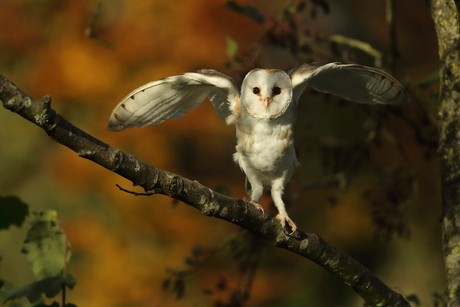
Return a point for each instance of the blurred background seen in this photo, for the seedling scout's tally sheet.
(368, 181)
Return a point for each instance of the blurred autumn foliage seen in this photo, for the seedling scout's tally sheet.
(368, 183)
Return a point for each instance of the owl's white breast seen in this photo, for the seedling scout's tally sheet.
(266, 147)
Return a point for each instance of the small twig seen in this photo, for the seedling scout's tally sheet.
(66, 248)
(421, 135)
(340, 179)
(366, 47)
(211, 254)
(246, 278)
(63, 295)
(390, 17)
(134, 193)
(89, 29)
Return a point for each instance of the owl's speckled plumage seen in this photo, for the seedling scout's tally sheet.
(263, 114)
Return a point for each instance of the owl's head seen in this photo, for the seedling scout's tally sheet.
(266, 93)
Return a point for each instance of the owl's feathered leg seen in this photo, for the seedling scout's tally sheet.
(256, 192)
(252, 185)
(277, 192)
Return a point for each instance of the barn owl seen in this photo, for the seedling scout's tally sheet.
(263, 112)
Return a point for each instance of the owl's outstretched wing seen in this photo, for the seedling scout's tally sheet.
(172, 97)
(350, 81)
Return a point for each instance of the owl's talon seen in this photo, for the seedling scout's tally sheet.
(258, 207)
(283, 218)
(255, 204)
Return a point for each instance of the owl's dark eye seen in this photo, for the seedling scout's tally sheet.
(276, 91)
(256, 90)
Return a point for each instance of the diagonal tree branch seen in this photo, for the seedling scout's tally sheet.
(209, 202)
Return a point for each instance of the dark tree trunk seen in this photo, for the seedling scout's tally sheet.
(445, 14)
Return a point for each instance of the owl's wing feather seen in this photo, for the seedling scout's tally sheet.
(172, 97)
(350, 81)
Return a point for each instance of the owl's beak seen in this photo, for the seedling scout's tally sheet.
(266, 102)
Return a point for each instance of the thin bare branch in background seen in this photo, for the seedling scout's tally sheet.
(390, 17)
(363, 46)
(89, 31)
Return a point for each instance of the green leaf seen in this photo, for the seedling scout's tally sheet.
(414, 298)
(166, 284)
(12, 212)
(179, 287)
(434, 77)
(232, 48)
(246, 10)
(46, 245)
(197, 251)
(440, 297)
(190, 261)
(50, 286)
(4, 287)
(54, 304)
(223, 190)
(433, 100)
(70, 281)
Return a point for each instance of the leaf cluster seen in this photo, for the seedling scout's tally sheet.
(47, 251)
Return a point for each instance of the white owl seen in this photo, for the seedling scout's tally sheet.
(264, 112)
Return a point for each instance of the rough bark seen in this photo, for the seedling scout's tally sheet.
(209, 202)
(445, 14)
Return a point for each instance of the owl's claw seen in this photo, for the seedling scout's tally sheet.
(255, 204)
(283, 218)
(258, 207)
